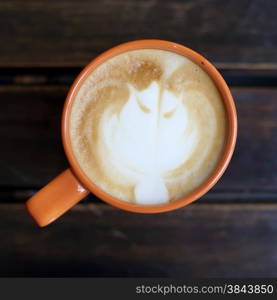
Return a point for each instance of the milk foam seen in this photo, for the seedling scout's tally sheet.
(148, 126)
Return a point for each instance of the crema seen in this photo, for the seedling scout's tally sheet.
(148, 126)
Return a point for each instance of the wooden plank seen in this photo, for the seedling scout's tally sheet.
(98, 240)
(254, 161)
(30, 129)
(32, 152)
(70, 33)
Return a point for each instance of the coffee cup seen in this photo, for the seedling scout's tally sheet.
(148, 126)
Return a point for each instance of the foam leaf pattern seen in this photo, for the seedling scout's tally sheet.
(148, 140)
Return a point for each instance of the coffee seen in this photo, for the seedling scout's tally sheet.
(148, 126)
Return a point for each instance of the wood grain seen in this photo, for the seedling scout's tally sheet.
(30, 129)
(70, 33)
(98, 240)
(32, 153)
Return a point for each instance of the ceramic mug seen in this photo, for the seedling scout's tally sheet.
(72, 185)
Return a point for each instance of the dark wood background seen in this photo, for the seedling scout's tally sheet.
(230, 232)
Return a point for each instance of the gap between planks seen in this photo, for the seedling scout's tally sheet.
(247, 76)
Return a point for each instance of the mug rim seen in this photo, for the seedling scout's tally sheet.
(229, 106)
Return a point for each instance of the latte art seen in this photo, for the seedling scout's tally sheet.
(148, 126)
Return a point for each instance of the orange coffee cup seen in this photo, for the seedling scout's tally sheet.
(72, 185)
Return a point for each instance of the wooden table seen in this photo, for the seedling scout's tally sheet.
(230, 232)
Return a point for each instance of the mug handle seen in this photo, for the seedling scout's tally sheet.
(53, 200)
